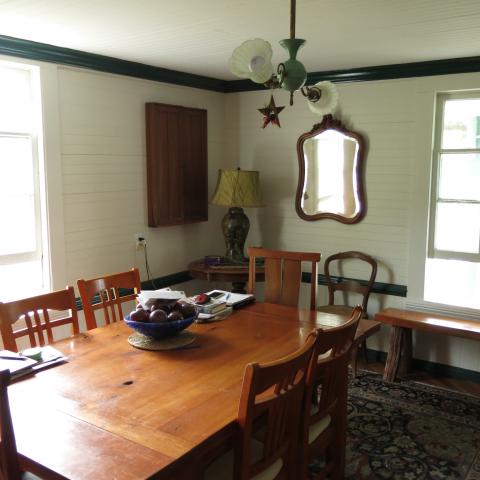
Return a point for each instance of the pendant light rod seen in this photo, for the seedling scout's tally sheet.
(292, 18)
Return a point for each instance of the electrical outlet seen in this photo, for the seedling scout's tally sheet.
(140, 241)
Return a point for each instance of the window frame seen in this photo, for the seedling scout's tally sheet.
(46, 161)
(438, 151)
(36, 254)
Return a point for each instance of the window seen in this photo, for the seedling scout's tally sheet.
(455, 210)
(21, 206)
(454, 233)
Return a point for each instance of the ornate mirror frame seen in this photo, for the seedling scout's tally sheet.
(329, 123)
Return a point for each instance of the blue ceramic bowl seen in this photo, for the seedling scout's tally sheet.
(159, 330)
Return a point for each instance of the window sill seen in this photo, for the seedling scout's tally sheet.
(443, 309)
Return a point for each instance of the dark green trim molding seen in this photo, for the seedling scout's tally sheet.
(167, 280)
(380, 72)
(18, 47)
(378, 287)
(434, 369)
(21, 48)
(160, 282)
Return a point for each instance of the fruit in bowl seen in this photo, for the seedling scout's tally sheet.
(163, 319)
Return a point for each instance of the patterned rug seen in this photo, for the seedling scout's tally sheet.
(411, 431)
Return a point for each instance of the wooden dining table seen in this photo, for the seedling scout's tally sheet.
(117, 412)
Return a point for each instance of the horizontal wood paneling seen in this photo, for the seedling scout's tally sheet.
(104, 176)
(398, 151)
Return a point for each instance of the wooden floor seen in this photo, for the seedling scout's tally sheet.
(463, 386)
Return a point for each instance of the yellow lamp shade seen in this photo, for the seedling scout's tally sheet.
(237, 188)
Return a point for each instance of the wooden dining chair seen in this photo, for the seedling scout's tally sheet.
(324, 422)
(283, 275)
(347, 285)
(106, 294)
(37, 318)
(9, 464)
(341, 284)
(270, 405)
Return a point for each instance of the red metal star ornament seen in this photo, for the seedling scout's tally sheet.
(270, 113)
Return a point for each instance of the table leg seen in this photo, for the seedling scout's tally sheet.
(394, 351)
(336, 451)
(406, 353)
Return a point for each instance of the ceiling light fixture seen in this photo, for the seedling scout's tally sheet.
(253, 60)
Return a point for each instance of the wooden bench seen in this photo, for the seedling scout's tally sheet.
(403, 321)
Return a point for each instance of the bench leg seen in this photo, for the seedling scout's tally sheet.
(394, 353)
(406, 359)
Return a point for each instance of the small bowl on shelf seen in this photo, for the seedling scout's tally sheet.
(160, 330)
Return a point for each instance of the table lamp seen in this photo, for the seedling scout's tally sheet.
(236, 189)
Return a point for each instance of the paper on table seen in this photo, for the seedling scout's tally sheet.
(208, 317)
(147, 298)
(234, 299)
(16, 365)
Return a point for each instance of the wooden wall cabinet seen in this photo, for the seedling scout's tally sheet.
(177, 165)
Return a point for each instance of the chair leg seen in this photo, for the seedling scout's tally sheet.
(353, 361)
(364, 350)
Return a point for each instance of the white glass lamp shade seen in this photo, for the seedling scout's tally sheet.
(253, 60)
(328, 101)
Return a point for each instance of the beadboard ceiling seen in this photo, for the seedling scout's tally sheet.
(198, 36)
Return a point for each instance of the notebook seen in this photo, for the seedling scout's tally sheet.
(16, 363)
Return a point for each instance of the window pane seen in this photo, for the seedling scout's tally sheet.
(16, 112)
(21, 280)
(457, 227)
(459, 176)
(452, 282)
(17, 203)
(461, 124)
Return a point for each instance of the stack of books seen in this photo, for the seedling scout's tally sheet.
(212, 307)
(221, 305)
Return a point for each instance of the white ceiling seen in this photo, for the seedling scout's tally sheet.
(198, 36)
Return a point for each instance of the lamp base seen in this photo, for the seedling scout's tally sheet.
(235, 227)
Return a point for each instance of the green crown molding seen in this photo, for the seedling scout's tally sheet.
(18, 47)
(381, 72)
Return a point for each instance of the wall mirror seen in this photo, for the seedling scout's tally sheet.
(330, 183)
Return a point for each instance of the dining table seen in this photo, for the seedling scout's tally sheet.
(113, 411)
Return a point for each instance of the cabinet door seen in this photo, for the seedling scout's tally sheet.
(176, 165)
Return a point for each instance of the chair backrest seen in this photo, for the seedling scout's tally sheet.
(345, 285)
(9, 466)
(36, 313)
(108, 291)
(283, 275)
(273, 394)
(326, 387)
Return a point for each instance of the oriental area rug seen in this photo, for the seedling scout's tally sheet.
(408, 431)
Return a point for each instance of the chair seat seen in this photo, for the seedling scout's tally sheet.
(337, 309)
(317, 428)
(222, 467)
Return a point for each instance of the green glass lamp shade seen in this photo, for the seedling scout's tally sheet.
(295, 73)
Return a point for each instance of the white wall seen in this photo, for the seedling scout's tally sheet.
(103, 163)
(396, 117)
(95, 156)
